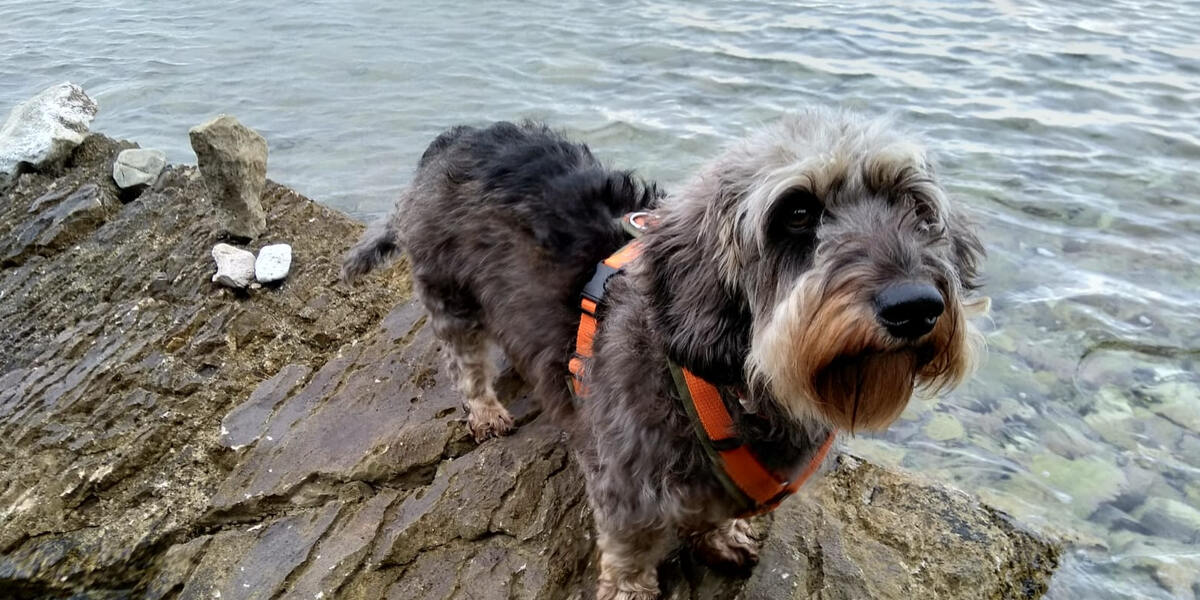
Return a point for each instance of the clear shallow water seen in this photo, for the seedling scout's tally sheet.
(1070, 129)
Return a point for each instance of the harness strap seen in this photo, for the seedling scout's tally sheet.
(741, 473)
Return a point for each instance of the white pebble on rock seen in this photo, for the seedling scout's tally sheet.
(235, 267)
(273, 263)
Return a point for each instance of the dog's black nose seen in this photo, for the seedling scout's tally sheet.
(909, 310)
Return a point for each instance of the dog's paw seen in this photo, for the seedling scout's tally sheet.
(613, 591)
(730, 545)
(488, 421)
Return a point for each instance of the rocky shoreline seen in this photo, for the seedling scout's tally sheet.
(170, 437)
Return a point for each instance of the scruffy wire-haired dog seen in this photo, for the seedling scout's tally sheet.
(814, 273)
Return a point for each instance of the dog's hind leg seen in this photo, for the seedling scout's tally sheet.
(485, 415)
(454, 322)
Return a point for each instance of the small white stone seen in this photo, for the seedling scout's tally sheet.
(1144, 320)
(235, 267)
(1045, 252)
(273, 263)
(138, 166)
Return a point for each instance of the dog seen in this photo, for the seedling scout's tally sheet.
(815, 274)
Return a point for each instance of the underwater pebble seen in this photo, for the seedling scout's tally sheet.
(1045, 252)
(943, 427)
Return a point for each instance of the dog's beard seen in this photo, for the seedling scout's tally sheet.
(822, 355)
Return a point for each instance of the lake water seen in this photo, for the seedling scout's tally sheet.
(1070, 129)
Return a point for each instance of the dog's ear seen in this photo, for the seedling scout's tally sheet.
(704, 321)
(966, 248)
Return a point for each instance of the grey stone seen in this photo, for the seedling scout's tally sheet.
(233, 161)
(44, 129)
(273, 263)
(138, 166)
(235, 267)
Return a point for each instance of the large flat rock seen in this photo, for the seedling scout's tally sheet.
(170, 438)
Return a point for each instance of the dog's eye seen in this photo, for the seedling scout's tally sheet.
(801, 211)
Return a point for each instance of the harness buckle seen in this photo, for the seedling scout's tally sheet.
(594, 290)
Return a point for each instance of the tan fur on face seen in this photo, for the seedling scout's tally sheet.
(825, 356)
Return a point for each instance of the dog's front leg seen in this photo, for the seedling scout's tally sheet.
(629, 561)
(729, 545)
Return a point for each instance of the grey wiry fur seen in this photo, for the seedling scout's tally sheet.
(762, 277)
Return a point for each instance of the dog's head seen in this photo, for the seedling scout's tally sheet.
(819, 263)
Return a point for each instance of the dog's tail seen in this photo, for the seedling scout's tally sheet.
(379, 245)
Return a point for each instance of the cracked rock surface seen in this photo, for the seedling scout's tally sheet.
(166, 437)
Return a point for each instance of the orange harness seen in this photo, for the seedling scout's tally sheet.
(757, 488)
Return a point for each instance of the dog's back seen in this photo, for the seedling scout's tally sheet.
(504, 225)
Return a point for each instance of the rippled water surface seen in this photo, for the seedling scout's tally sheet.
(1070, 129)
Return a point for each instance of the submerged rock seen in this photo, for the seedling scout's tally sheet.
(235, 267)
(233, 161)
(309, 444)
(1170, 519)
(42, 130)
(138, 166)
(273, 263)
(944, 427)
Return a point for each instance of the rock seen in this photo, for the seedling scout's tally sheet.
(1170, 519)
(58, 219)
(943, 427)
(160, 284)
(235, 267)
(273, 263)
(870, 533)
(189, 444)
(42, 130)
(111, 398)
(137, 166)
(1088, 480)
(246, 423)
(233, 161)
(1177, 401)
